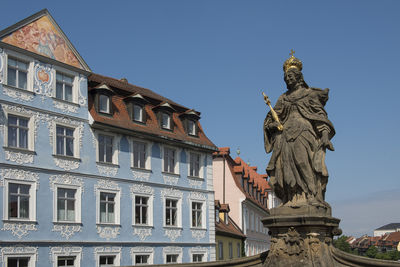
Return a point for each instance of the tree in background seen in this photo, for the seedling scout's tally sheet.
(341, 244)
(371, 252)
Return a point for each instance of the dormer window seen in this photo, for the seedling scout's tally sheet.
(137, 113)
(103, 98)
(189, 119)
(191, 127)
(165, 121)
(104, 103)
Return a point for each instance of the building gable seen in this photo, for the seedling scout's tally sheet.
(40, 34)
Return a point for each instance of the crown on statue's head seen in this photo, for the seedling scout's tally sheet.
(292, 62)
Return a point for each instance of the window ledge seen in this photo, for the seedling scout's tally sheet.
(172, 174)
(68, 222)
(109, 224)
(141, 169)
(196, 178)
(67, 157)
(105, 114)
(65, 102)
(167, 129)
(19, 221)
(173, 227)
(17, 149)
(108, 164)
(139, 122)
(198, 228)
(19, 89)
(143, 226)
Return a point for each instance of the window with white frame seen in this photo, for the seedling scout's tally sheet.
(18, 131)
(64, 85)
(66, 261)
(142, 259)
(20, 256)
(172, 254)
(106, 261)
(197, 215)
(66, 256)
(142, 256)
(166, 121)
(66, 203)
(107, 256)
(137, 113)
(194, 165)
(105, 148)
(17, 73)
(108, 205)
(172, 258)
(171, 212)
(20, 200)
(170, 160)
(197, 257)
(104, 103)
(141, 210)
(139, 154)
(64, 141)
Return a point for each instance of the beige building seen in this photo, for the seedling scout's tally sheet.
(246, 192)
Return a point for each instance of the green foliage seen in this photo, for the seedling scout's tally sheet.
(371, 252)
(393, 255)
(341, 244)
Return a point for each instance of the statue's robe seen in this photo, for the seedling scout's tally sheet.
(297, 163)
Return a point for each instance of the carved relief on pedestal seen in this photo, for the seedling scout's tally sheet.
(290, 243)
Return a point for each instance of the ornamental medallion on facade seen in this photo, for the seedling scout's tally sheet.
(172, 234)
(108, 232)
(43, 79)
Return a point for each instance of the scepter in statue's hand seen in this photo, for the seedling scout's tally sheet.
(274, 115)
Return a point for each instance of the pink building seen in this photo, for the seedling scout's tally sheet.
(248, 195)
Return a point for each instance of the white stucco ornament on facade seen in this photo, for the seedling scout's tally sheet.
(198, 234)
(142, 232)
(66, 230)
(19, 229)
(43, 79)
(17, 93)
(1, 65)
(170, 179)
(172, 234)
(18, 250)
(108, 232)
(65, 179)
(141, 175)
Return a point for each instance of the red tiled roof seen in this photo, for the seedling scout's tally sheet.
(121, 119)
(243, 170)
(230, 229)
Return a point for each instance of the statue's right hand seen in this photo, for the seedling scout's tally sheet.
(272, 126)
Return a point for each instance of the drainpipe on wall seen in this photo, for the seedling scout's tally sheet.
(223, 193)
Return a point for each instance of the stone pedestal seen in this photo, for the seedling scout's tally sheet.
(301, 240)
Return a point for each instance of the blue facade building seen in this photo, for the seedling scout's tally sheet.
(95, 171)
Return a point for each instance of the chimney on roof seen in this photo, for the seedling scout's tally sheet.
(125, 80)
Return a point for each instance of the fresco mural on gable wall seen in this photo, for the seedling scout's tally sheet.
(41, 37)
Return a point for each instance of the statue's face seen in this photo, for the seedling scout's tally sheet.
(290, 78)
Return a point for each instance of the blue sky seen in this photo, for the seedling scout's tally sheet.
(217, 57)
